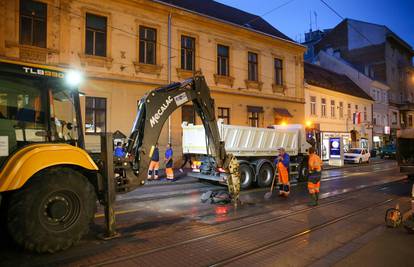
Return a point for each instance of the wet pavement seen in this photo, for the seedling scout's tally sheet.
(167, 225)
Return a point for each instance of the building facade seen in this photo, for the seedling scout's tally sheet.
(380, 54)
(336, 106)
(376, 89)
(126, 48)
(311, 39)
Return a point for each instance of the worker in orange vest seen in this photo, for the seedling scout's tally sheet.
(282, 166)
(314, 179)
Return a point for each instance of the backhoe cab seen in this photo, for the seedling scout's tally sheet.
(46, 176)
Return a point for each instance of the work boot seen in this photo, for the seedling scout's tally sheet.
(313, 201)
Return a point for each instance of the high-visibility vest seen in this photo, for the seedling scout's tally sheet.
(315, 163)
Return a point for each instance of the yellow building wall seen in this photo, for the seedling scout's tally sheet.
(337, 124)
(123, 81)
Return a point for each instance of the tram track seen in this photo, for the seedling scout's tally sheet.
(206, 188)
(255, 224)
(299, 234)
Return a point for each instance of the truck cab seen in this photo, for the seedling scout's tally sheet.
(405, 151)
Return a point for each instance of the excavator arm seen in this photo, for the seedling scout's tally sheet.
(155, 108)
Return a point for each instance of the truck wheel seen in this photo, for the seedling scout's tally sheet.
(53, 211)
(246, 176)
(265, 175)
(303, 172)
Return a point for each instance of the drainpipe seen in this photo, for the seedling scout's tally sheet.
(169, 69)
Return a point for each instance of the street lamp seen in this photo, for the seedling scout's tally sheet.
(73, 78)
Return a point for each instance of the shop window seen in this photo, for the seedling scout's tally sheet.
(253, 74)
(365, 114)
(394, 118)
(223, 56)
(313, 105)
(95, 119)
(254, 119)
(147, 45)
(33, 18)
(187, 53)
(224, 114)
(254, 115)
(323, 107)
(95, 39)
(278, 72)
(188, 114)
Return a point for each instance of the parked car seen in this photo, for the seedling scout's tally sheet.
(374, 152)
(388, 151)
(357, 155)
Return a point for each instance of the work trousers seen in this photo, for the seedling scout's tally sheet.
(314, 187)
(284, 186)
(153, 169)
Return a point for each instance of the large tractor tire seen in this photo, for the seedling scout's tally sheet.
(246, 176)
(265, 175)
(53, 211)
(4, 236)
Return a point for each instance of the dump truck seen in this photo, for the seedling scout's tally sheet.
(49, 183)
(405, 151)
(254, 148)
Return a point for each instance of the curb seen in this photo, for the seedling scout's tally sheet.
(327, 168)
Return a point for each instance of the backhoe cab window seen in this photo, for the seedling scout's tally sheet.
(63, 116)
(23, 116)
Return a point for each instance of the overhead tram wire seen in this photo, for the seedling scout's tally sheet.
(290, 85)
(270, 11)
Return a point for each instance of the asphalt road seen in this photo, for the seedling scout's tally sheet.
(167, 225)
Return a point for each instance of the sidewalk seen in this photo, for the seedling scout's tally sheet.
(373, 161)
(388, 247)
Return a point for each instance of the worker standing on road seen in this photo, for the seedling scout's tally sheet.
(169, 163)
(155, 163)
(187, 158)
(314, 179)
(282, 166)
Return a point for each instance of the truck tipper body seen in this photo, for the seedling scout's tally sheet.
(255, 148)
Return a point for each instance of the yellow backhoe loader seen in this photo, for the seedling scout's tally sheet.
(49, 184)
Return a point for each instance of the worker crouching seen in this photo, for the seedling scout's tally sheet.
(282, 166)
(314, 178)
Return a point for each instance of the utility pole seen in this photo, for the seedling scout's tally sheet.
(169, 69)
(310, 21)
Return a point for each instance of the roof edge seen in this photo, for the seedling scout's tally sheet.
(230, 23)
